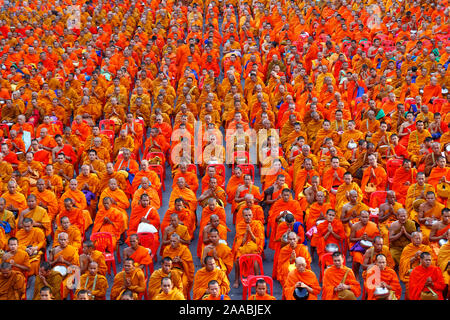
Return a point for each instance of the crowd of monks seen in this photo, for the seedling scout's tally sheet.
(102, 101)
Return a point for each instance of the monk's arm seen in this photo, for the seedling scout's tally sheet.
(394, 233)
(433, 231)
(352, 236)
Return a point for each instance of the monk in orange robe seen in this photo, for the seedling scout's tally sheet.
(186, 216)
(75, 215)
(439, 230)
(15, 201)
(404, 177)
(386, 278)
(145, 188)
(140, 254)
(219, 251)
(79, 200)
(333, 279)
(109, 219)
(330, 230)
(151, 175)
(426, 277)
(189, 177)
(375, 175)
(234, 182)
(206, 274)
(143, 212)
(181, 191)
(32, 241)
(301, 277)
(118, 198)
(46, 199)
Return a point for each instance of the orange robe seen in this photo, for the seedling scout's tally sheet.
(202, 277)
(388, 276)
(308, 277)
(331, 279)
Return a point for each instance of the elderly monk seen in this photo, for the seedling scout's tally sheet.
(249, 239)
(121, 142)
(127, 165)
(186, 217)
(182, 260)
(362, 230)
(145, 188)
(382, 276)
(219, 251)
(211, 172)
(119, 199)
(151, 175)
(46, 199)
(189, 177)
(404, 177)
(143, 212)
(95, 283)
(426, 277)
(204, 275)
(182, 191)
(287, 256)
(330, 230)
(429, 213)
(89, 254)
(75, 235)
(32, 241)
(12, 283)
(37, 213)
(75, 215)
(410, 258)
(400, 233)
(109, 219)
(78, 198)
(168, 291)
(166, 271)
(15, 200)
(66, 258)
(333, 279)
(131, 278)
(301, 277)
(47, 277)
(175, 226)
(140, 254)
(439, 230)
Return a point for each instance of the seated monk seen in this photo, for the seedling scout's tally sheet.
(213, 191)
(404, 176)
(93, 282)
(88, 184)
(66, 258)
(75, 236)
(127, 165)
(62, 169)
(185, 217)
(244, 189)
(426, 277)
(386, 278)
(387, 214)
(261, 291)
(219, 251)
(145, 188)
(189, 177)
(213, 223)
(400, 233)
(234, 182)
(370, 255)
(7, 216)
(143, 212)
(443, 257)
(249, 202)
(330, 230)
(75, 215)
(211, 172)
(38, 214)
(351, 211)
(140, 254)
(90, 254)
(417, 191)
(109, 219)
(119, 200)
(46, 199)
(166, 270)
(182, 191)
(308, 196)
(373, 176)
(47, 278)
(109, 174)
(182, 260)
(168, 291)
(429, 213)
(121, 142)
(362, 230)
(12, 283)
(344, 189)
(288, 254)
(151, 175)
(303, 176)
(332, 178)
(30, 171)
(16, 256)
(79, 201)
(15, 200)
(249, 239)
(214, 292)
(301, 277)
(131, 278)
(338, 277)
(410, 258)
(204, 275)
(286, 203)
(439, 230)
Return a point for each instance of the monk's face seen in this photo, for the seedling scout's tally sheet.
(13, 245)
(416, 239)
(292, 240)
(27, 227)
(6, 272)
(210, 264)
(65, 223)
(248, 215)
(166, 266)
(174, 242)
(63, 240)
(430, 198)
(215, 221)
(214, 237)
(73, 184)
(166, 286)
(31, 201)
(214, 289)
(11, 188)
(446, 217)
(420, 179)
(212, 205)
(286, 195)
(40, 184)
(113, 185)
(381, 262)
(330, 216)
(93, 267)
(128, 266)
(145, 201)
(178, 205)
(337, 261)
(426, 261)
(348, 179)
(261, 289)
(107, 203)
(378, 245)
(301, 267)
(2, 205)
